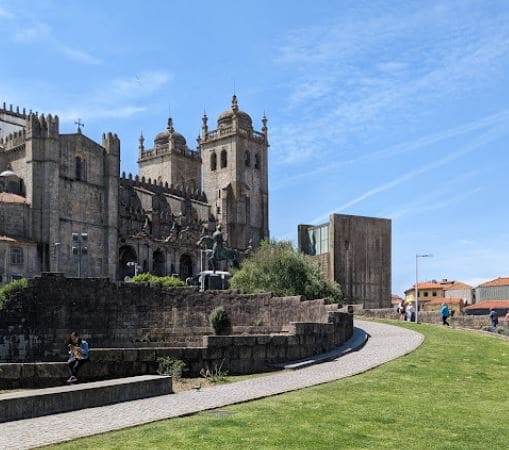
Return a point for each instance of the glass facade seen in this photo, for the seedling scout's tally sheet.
(318, 240)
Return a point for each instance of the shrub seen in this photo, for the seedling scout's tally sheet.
(171, 366)
(219, 320)
(13, 286)
(278, 268)
(166, 282)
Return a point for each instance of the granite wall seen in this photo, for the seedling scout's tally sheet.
(35, 322)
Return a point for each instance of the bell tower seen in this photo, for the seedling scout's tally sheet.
(235, 176)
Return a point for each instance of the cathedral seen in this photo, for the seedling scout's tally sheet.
(65, 206)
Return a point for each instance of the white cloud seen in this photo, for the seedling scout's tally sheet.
(36, 32)
(5, 14)
(346, 82)
(126, 97)
(479, 142)
(78, 55)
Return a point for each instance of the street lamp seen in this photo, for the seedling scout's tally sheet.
(136, 266)
(425, 255)
(56, 245)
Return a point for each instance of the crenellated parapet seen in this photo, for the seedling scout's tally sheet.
(111, 143)
(42, 126)
(13, 140)
(184, 191)
(16, 112)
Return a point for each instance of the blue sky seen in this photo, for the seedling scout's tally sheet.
(390, 109)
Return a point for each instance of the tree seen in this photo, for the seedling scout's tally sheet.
(278, 268)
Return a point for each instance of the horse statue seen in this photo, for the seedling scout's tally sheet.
(219, 251)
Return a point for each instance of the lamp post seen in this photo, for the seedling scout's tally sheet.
(136, 266)
(56, 245)
(425, 255)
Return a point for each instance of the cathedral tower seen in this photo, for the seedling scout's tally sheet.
(170, 161)
(235, 176)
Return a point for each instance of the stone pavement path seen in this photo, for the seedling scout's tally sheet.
(386, 342)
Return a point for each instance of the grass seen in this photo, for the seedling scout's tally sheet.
(451, 393)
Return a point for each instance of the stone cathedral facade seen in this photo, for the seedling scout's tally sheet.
(65, 206)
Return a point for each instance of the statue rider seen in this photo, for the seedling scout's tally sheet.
(217, 247)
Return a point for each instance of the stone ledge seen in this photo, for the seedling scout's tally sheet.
(41, 402)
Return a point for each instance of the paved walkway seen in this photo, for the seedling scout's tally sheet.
(386, 342)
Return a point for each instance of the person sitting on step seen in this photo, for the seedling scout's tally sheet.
(78, 355)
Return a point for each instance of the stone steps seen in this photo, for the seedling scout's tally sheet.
(41, 402)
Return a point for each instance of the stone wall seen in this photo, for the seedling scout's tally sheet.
(35, 322)
(234, 354)
(463, 321)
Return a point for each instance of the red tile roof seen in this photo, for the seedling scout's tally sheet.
(500, 281)
(458, 285)
(6, 197)
(487, 304)
(447, 300)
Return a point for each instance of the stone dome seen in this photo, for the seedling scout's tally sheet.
(163, 137)
(226, 117)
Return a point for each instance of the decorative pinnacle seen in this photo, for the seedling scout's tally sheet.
(235, 105)
(142, 140)
(170, 125)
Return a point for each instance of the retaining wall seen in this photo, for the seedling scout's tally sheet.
(35, 322)
(233, 353)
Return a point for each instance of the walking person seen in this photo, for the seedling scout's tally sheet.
(401, 310)
(78, 355)
(444, 312)
(410, 312)
(494, 318)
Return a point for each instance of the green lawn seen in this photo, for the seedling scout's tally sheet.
(451, 393)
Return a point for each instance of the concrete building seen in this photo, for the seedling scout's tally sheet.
(497, 289)
(65, 206)
(355, 252)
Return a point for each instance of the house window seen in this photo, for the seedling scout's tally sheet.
(213, 161)
(434, 293)
(224, 159)
(248, 158)
(426, 294)
(257, 161)
(16, 256)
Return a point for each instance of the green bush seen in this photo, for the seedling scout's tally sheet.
(278, 268)
(219, 320)
(171, 366)
(166, 282)
(14, 286)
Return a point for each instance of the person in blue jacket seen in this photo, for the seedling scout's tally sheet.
(78, 355)
(444, 312)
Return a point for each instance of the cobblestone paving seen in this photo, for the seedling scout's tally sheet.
(386, 342)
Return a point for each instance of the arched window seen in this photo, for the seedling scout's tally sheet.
(80, 169)
(257, 161)
(224, 159)
(213, 161)
(248, 158)
(77, 167)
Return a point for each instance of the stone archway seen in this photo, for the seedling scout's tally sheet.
(159, 263)
(126, 254)
(185, 267)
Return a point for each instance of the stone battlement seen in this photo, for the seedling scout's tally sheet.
(160, 188)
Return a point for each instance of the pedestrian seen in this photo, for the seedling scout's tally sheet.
(506, 318)
(410, 312)
(401, 310)
(78, 355)
(494, 318)
(444, 312)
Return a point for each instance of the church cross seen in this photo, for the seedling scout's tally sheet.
(80, 124)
